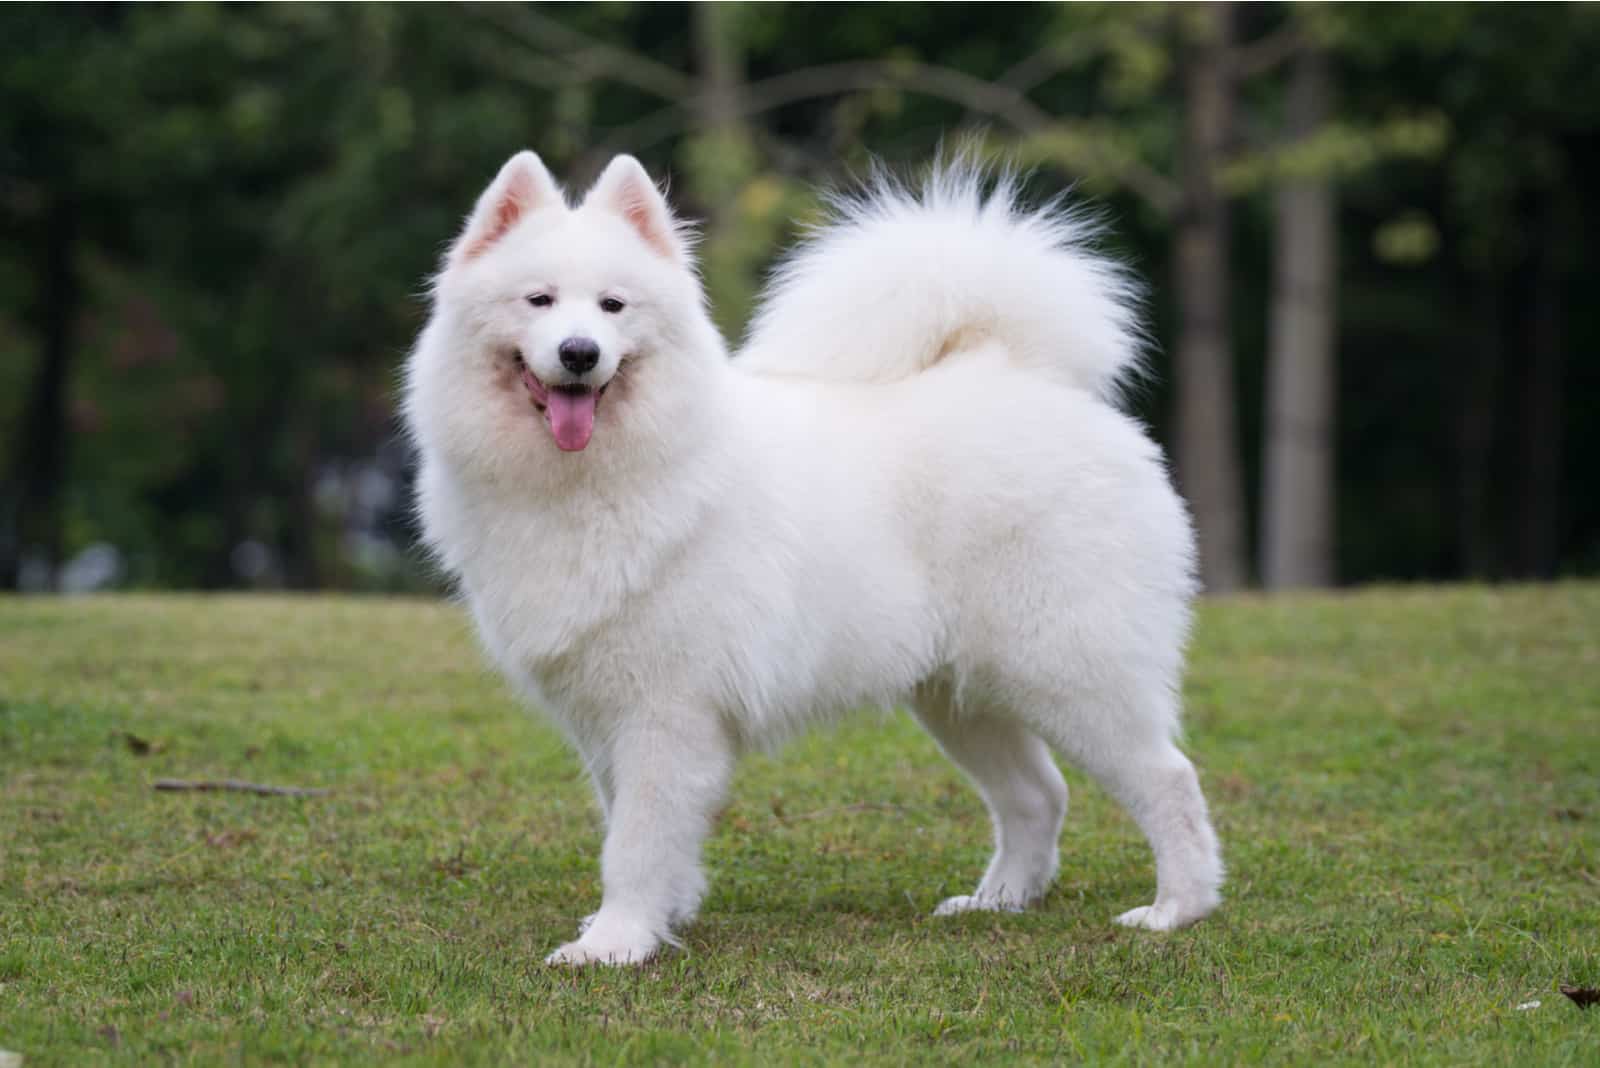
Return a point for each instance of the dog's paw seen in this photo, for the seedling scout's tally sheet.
(608, 943)
(585, 951)
(1161, 917)
(955, 906)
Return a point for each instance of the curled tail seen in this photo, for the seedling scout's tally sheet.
(898, 279)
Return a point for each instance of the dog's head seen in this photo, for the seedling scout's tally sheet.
(553, 325)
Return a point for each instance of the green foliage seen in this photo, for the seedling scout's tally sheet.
(263, 191)
(756, 213)
(1339, 151)
(1409, 239)
(1404, 781)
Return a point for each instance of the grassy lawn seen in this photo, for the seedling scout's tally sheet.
(1407, 784)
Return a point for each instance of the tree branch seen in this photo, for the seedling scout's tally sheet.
(1005, 101)
(1052, 59)
(490, 47)
(836, 79)
(558, 42)
(974, 94)
(999, 102)
(1265, 53)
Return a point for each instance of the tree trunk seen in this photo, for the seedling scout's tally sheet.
(1298, 464)
(41, 455)
(1207, 446)
(1475, 426)
(721, 66)
(302, 561)
(721, 161)
(1539, 463)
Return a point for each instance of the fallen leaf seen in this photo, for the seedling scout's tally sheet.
(454, 866)
(1582, 996)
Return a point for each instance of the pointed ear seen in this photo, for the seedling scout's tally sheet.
(625, 189)
(523, 186)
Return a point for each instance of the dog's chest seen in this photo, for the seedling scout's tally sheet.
(550, 586)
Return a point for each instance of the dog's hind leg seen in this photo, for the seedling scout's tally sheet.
(1020, 784)
(1122, 737)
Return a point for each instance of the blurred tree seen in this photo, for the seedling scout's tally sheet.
(1316, 150)
(1207, 451)
(721, 159)
(1488, 230)
(48, 105)
(283, 176)
(1512, 193)
(1135, 151)
(217, 218)
(1298, 449)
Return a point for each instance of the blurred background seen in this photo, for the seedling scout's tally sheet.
(1367, 232)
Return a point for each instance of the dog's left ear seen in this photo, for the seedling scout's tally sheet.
(626, 189)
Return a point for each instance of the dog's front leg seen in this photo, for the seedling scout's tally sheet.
(669, 776)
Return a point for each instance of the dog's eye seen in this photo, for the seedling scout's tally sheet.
(612, 305)
(541, 300)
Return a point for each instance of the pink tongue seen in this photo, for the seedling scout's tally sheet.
(571, 418)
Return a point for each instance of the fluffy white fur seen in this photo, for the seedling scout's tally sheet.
(911, 486)
(976, 268)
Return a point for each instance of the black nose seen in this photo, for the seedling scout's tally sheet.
(578, 354)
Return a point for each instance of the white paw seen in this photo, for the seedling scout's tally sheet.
(608, 943)
(584, 951)
(1161, 917)
(954, 906)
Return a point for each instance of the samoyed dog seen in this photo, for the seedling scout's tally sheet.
(912, 484)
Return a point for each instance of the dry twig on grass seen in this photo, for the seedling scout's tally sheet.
(237, 786)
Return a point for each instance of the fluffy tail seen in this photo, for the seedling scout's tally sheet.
(898, 279)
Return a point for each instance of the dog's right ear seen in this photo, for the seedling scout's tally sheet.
(522, 187)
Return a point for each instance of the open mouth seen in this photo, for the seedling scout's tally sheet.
(567, 409)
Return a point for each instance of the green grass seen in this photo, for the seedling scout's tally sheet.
(1407, 785)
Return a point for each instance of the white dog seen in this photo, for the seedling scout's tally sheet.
(912, 484)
